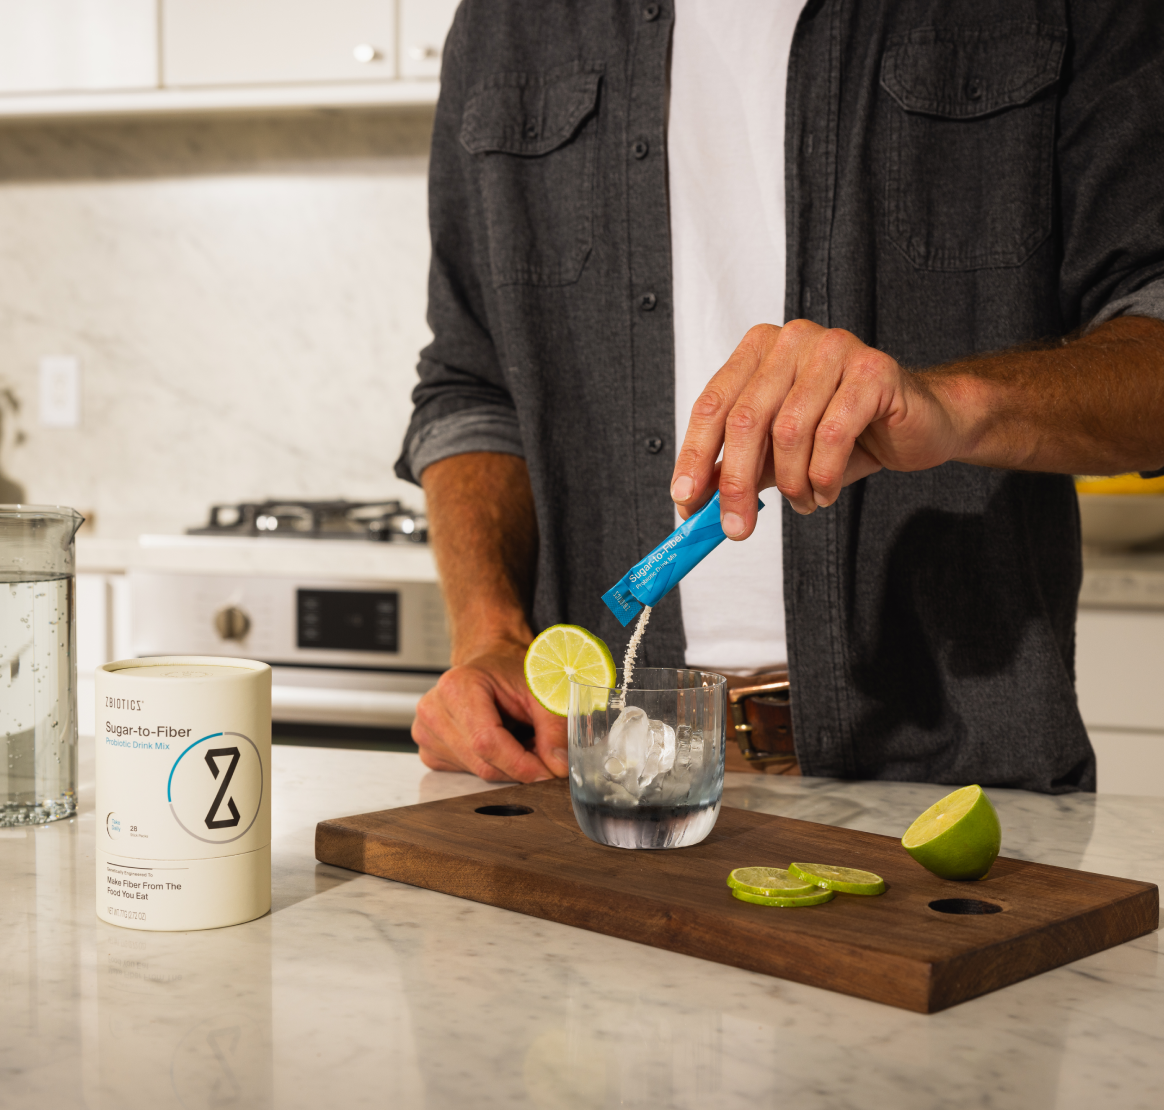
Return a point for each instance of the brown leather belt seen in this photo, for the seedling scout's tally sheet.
(760, 724)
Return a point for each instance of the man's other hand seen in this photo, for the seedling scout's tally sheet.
(459, 725)
(809, 410)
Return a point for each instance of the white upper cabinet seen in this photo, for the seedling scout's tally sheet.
(60, 46)
(277, 42)
(122, 57)
(423, 27)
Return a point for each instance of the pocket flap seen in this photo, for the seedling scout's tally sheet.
(529, 113)
(962, 73)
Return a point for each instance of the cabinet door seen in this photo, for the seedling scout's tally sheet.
(78, 45)
(423, 27)
(277, 42)
(1119, 660)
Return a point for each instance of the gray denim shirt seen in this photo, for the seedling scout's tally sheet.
(962, 176)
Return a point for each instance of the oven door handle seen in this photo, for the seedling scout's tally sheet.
(331, 706)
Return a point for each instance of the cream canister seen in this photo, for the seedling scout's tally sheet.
(183, 792)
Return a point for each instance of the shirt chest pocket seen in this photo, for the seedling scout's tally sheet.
(533, 139)
(971, 143)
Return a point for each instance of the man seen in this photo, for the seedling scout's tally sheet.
(962, 177)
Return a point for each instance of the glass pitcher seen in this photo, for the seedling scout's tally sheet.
(38, 664)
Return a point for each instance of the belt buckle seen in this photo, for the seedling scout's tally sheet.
(736, 701)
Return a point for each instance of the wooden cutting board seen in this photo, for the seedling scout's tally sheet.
(895, 948)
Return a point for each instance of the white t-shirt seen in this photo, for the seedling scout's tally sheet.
(725, 160)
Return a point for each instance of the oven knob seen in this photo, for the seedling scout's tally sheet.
(232, 623)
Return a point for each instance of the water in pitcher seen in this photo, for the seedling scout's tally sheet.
(38, 727)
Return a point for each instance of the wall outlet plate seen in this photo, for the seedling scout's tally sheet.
(60, 392)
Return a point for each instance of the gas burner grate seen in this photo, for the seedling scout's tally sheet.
(379, 521)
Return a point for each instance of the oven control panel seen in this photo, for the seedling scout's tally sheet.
(392, 624)
(348, 620)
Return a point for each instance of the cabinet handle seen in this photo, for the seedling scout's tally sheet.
(366, 52)
(423, 53)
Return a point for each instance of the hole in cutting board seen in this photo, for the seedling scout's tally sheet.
(964, 906)
(503, 811)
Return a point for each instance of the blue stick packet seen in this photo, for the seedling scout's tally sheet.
(652, 578)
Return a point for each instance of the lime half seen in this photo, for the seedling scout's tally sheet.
(846, 880)
(559, 653)
(772, 882)
(789, 902)
(957, 837)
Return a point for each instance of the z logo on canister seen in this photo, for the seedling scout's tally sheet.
(217, 797)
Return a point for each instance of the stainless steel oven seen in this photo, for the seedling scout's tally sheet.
(354, 631)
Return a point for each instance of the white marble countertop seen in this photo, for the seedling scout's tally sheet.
(356, 991)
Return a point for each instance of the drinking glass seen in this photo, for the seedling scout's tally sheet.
(38, 664)
(646, 762)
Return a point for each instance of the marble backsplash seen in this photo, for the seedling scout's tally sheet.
(245, 296)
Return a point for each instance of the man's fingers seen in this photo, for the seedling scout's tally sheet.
(435, 763)
(821, 367)
(458, 721)
(692, 481)
(748, 432)
(745, 450)
(860, 465)
(503, 758)
(434, 753)
(435, 734)
(867, 392)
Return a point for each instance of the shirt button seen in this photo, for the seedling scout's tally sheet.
(531, 131)
(974, 89)
(641, 148)
(651, 13)
(647, 302)
(654, 445)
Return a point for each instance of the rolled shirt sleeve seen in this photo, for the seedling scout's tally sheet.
(1147, 301)
(485, 428)
(1111, 119)
(462, 401)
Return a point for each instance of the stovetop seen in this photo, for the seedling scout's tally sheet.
(379, 521)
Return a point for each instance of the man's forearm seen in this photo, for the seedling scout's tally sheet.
(1094, 405)
(484, 534)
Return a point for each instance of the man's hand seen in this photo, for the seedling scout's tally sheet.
(811, 410)
(459, 724)
(484, 535)
(808, 410)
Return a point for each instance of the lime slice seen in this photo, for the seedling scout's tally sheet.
(772, 882)
(846, 880)
(562, 651)
(957, 837)
(796, 900)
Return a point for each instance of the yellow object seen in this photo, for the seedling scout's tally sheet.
(557, 654)
(1120, 484)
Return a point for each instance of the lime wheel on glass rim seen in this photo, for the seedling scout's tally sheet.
(562, 652)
